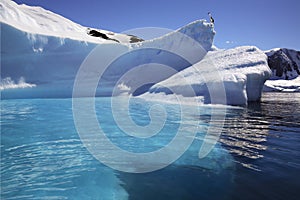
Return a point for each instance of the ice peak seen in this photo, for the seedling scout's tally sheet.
(37, 20)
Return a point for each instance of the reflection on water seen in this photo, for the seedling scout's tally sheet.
(246, 131)
(264, 138)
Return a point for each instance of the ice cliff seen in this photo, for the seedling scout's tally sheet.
(47, 50)
(42, 54)
(240, 72)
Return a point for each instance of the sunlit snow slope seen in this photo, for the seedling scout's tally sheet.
(45, 51)
(238, 73)
(36, 20)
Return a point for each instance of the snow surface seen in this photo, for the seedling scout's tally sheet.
(36, 20)
(241, 72)
(48, 51)
(282, 85)
(51, 52)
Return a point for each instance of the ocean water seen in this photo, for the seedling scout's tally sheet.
(256, 157)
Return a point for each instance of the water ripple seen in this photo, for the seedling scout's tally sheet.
(272, 123)
(42, 167)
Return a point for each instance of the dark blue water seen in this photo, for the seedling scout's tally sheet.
(257, 156)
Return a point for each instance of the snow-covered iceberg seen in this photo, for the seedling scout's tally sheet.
(241, 72)
(47, 50)
(34, 21)
(282, 85)
(54, 57)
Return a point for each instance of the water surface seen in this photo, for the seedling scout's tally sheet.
(257, 156)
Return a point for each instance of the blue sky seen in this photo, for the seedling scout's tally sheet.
(263, 23)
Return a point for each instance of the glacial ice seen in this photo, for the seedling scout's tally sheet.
(241, 72)
(49, 52)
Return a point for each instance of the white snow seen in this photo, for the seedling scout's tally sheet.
(272, 51)
(48, 50)
(36, 20)
(282, 85)
(239, 72)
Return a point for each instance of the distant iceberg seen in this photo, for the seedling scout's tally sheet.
(282, 85)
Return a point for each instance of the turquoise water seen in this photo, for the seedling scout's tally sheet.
(257, 156)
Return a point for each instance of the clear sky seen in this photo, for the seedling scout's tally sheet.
(263, 23)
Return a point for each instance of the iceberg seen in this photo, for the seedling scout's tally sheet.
(282, 85)
(47, 50)
(241, 71)
(58, 59)
(34, 21)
